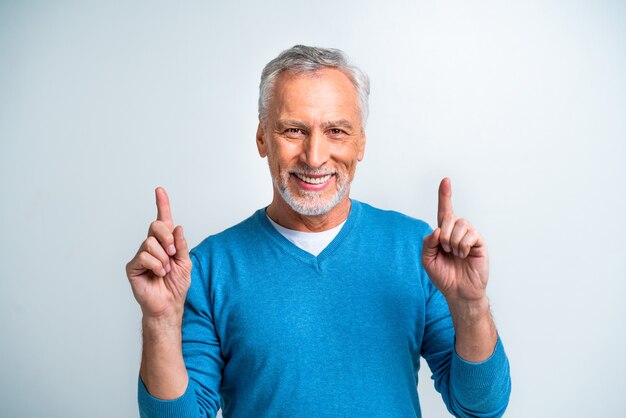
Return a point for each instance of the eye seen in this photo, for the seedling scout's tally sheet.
(293, 133)
(336, 132)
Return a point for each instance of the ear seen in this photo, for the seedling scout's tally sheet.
(361, 145)
(260, 140)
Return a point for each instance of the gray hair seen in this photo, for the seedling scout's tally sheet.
(302, 59)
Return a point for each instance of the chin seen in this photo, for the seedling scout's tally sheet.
(311, 204)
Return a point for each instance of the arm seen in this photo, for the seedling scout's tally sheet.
(160, 275)
(201, 352)
(474, 376)
(475, 332)
(162, 368)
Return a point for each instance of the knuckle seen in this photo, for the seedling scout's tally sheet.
(154, 227)
(157, 251)
(146, 260)
(465, 224)
(151, 244)
(143, 257)
(161, 234)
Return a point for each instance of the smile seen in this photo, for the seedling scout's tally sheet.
(313, 180)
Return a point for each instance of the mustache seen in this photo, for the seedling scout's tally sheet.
(306, 170)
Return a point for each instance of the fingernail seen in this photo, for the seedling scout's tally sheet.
(171, 250)
(163, 273)
(168, 268)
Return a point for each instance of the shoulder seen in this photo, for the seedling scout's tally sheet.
(390, 221)
(236, 238)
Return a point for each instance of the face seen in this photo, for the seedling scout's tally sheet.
(313, 139)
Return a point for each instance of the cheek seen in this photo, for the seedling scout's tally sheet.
(279, 167)
(347, 156)
(286, 155)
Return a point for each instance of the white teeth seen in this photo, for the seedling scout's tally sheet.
(310, 180)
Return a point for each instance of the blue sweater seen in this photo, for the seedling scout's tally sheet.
(278, 332)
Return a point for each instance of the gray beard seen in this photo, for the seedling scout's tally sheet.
(310, 203)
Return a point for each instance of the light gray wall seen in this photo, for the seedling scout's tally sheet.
(522, 103)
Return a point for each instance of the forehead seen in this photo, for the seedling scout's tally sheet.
(325, 93)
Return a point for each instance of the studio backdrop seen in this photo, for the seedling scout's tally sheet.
(521, 103)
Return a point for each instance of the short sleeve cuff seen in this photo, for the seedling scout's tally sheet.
(483, 374)
(185, 406)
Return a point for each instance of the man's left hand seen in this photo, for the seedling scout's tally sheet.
(454, 255)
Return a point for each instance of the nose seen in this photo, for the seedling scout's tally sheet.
(316, 150)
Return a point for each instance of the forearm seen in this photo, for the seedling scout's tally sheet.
(163, 369)
(475, 332)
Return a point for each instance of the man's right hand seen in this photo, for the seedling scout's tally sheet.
(160, 272)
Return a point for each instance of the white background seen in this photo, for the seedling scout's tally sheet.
(522, 104)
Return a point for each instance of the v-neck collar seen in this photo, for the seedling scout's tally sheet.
(304, 256)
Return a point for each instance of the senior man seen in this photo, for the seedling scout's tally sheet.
(317, 305)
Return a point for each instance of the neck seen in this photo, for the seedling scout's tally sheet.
(281, 213)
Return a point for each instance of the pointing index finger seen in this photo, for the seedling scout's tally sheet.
(164, 213)
(445, 200)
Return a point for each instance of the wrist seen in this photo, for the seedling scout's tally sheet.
(469, 311)
(162, 327)
(162, 368)
(475, 332)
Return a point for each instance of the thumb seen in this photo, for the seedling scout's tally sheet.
(430, 247)
(182, 251)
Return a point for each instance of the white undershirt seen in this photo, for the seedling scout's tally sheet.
(311, 242)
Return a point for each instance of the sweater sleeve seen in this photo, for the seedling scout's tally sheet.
(202, 355)
(468, 389)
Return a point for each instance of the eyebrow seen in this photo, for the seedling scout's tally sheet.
(341, 123)
(292, 123)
